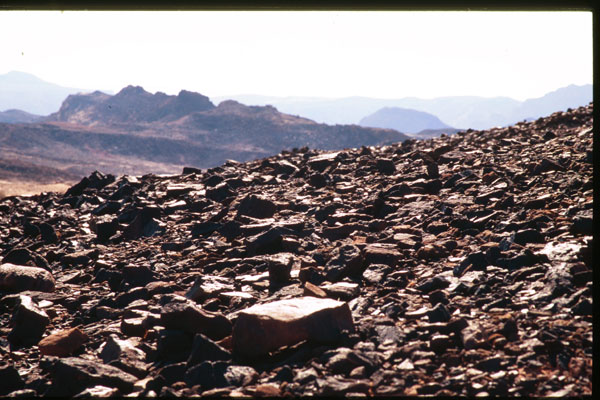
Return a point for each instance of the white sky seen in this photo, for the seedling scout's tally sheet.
(385, 54)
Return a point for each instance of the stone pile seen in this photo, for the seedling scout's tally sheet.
(456, 266)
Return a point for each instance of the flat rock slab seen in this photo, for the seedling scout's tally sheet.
(62, 343)
(267, 327)
(71, 375)
(18, 278)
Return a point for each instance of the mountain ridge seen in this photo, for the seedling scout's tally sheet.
(136, 132)
(461, 112)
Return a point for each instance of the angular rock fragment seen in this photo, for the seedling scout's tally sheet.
(256, 207)
(346, 261)
(267, 327)
(190, 318)
(204, 349)
(29, 323)
(72, 375)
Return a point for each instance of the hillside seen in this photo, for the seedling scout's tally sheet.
(403, 120)
(136, 132)
(459, 266)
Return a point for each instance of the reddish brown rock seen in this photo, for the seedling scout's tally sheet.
(62, 343)
(267, 327)
(18, 278)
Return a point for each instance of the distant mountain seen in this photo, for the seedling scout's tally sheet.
(136, 132)
(403, 120)
(458, 111)
(572, 96)
(23, 91)
(18, 116)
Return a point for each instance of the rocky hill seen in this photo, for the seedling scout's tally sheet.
(403, 120)
(136, 132)
(18, 116)
(457, 266)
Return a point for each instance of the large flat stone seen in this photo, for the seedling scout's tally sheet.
(18, 278)
(267, 327)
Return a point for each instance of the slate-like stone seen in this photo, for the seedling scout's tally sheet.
(71, 375)
(267, 327)
(190, 318)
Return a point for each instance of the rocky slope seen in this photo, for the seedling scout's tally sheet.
(459, 265)
(136, 132)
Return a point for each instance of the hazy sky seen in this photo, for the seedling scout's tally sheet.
(386, 54)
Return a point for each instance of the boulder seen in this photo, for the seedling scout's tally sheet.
(263, 328)
(18, 278)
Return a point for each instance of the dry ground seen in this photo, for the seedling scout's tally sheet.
(20, 188)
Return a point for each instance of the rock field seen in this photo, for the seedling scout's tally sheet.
(460, 265)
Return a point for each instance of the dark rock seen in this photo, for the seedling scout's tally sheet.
(23, 256)
(29, 323)
(317, 180)
(204, 349)
(205, 228)
(173, 345)
(189, 318)
(208, 375)
(347, 260)
(104, 227)
(72, 375)
(48, 233)
(439, 313)
(528, 236)
(432, 284)
(220, 192)
(385, 166)
(144, 224)
(256, 207)
(10, 379)
(137, 275)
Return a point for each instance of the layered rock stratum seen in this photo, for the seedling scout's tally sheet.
(460, 266)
